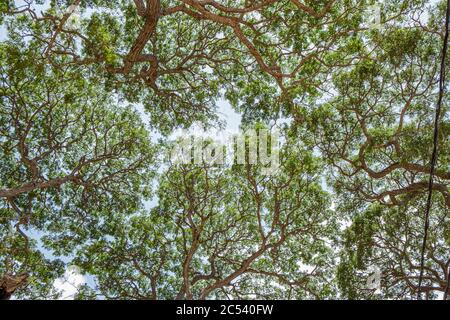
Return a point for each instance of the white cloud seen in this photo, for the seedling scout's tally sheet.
(69, 284)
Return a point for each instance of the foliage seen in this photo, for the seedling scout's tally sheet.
(78, 165)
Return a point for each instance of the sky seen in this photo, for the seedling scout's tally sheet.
(69, 284)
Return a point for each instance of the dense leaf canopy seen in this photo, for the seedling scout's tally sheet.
(92, 90)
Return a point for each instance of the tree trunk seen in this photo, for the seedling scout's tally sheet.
(10, 283)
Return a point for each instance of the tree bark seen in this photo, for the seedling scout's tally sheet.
(10, 283)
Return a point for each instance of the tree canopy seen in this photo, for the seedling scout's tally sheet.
(91, 92)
